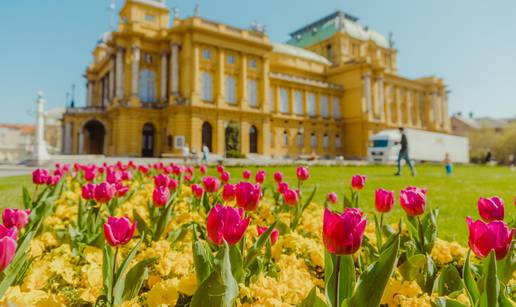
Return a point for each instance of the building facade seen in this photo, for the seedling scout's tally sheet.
(154, 87)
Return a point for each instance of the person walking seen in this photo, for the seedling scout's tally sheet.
(403, 154)
(205, 152)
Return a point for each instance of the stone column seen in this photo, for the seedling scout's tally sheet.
(174, 69)
(89, 93)
(243, 83)
(67, 139)
(381, 107)
(119, 75)
(387, 105)
(433, 107)
(195, 75)
(408, 105)
(135, 71)
(163, 78)
(111, 77)
(265, 138)
(81, 142)
(220, 88)
(41, 155)
(399, 117)
(265, 88)
(367, 94)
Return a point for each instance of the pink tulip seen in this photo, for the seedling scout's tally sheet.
(127, 175)
(343, 233)
(197, 191)
(282, 187)
(15, 218)
(358, 182)
(383, 200)
(188, 177)
(113, 177)
(332, 197)
(143, 169)
(53, 180)
(173, 184)
(160, 196)
(228, 192)
(190, 170)
(220, 168)
(486, 237)
(121, 189)
(177, 169)
(302, 173)
(291, 197)
(248, 195)
(40, 176)
(161, 180)
(88, 191)
(9, 232)
(104, 192)
(274, 234)
(7, 251)
(491, 209)
(203, 169)
(118, 231)
(89, 175)
(225, 176)
(246, 174)
(413, 200)
(260, 176)
(211, 184)
(278, 176)
(226, 223)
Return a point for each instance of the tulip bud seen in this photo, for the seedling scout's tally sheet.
(282, 187)
(492, 236)
(53, 180)
(7, 251)
(172, 185)
(9, 232)
(143, 169)
(118, 231)
(161, 180)
(413, 200)
(291, 197)
(302, 173)
(260, 177)
(491, 209)
(246, 174)
(220, 168)
(88, 191)
(89, 175)
(274, 234)
(224, 176)
(121, 189)
(358, 182)
(332, 198)
(343, 233)
(211, 184)
(228, 193)
(226, 223)
(160, 196)
(203, 169)
(383, 200)
(113, 177)
(278, 176)
(197, 191)
(248, 195)
(15, 218)
(40, 176)
(104, 192)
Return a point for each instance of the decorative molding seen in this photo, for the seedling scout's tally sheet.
(306, 81)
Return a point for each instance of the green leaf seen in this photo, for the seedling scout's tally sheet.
(339, 281)
(448, 281)
(134, 279)
(491, 286)
(237, 263)
(163, 220)
(309, 199)
(312, 300)
(378, 233)
(446, 302)
(372, 282)
(507, 265)
(429, 222)
(140, 223)
(128, 259)
(178, 234)
(107, 270)
(203, 260)
(220, 289)
(27, 199)
(469, 281)
(17, 264)
(413, 268)
(252, 253)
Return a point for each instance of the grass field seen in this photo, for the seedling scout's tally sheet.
(456, 195)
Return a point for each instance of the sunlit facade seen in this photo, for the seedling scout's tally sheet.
(154, 87)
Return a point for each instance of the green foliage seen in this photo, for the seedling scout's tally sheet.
(339, 281)
(312, 300)
(448, 281)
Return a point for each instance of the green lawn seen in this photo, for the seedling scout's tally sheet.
(455, 195)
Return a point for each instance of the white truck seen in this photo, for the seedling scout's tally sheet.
(423, 146)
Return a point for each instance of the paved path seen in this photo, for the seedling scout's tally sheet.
(14, 170)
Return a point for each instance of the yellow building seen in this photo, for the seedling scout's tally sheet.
(154, 87)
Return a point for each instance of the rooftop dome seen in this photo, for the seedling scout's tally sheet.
(299, 52)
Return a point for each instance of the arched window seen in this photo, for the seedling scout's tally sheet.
(148, 140)
(206, 135)
(313, 140)
(300, 139)
(147, 85)
(253, 140)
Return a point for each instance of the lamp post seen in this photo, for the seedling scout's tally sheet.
(41, 155)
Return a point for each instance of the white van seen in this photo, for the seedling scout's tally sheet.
(423, 146)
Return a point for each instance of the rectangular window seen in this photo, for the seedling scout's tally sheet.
(252, 92)
(285, 138)
(325, 141)
(329, 52)
(283, 100)
(300, 139)
(206, 53)
(272, 92)
(298, 102)
(313, 140)
(336, 107)
(324, 106)
(206, 86)
(252, 63)
(311, 104)
(231, 59)
(338, 142)
(150, 18)
(230, 89)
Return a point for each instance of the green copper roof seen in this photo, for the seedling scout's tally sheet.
(337, 22)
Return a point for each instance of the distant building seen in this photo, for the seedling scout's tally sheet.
(16, 142)
(463, 125)
(153, 88)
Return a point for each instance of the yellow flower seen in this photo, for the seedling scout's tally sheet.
(188, 284)
(163, 293)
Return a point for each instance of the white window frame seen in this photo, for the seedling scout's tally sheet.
(326, 141)
(336, 107)
(313, 140)
(298, 103)
(300, 139)
(206, 54)
(231, 89)
(253, 63)
(285, 138)
(231, 59)
(284, 97)
(311, 100)
(252, 92)
(324, 106)
(206, 86)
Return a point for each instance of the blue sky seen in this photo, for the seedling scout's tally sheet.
(471, 44)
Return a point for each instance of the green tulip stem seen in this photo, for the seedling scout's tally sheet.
(336, 301)
(114, 276)
(421, 234)
(35, 194)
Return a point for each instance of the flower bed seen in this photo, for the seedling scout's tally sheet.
(172, 235)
